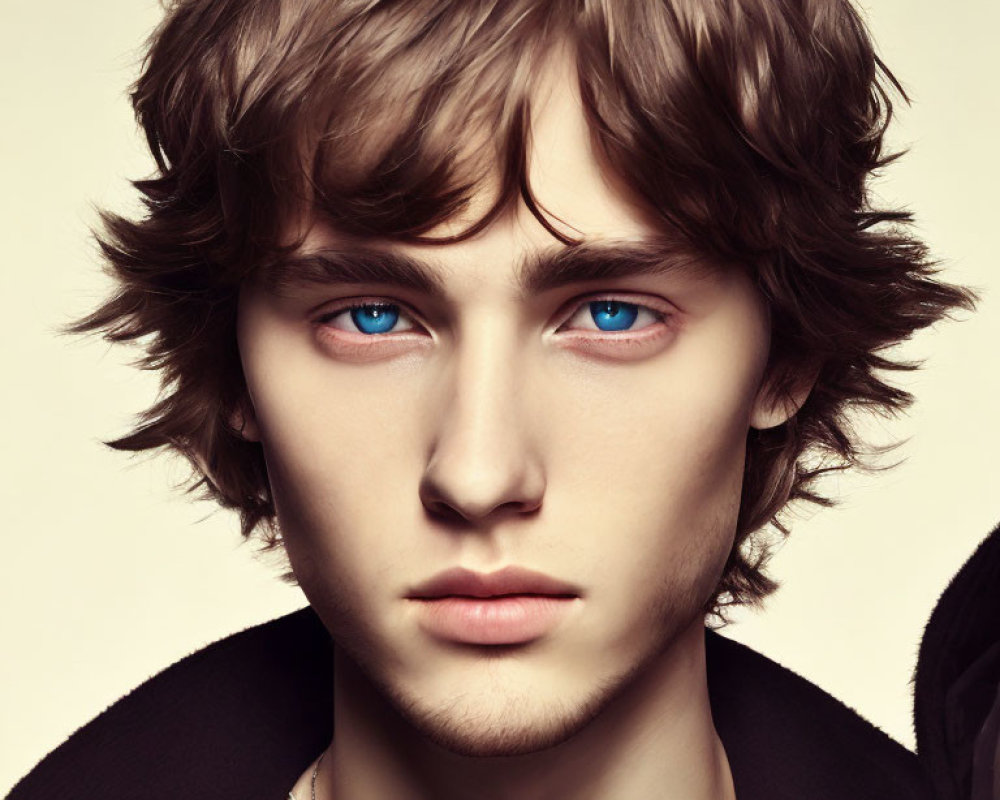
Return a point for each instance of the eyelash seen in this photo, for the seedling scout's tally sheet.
(660, 316)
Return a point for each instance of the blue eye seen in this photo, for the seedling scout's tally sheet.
(613, 315)
(368, 318)
(375, 318)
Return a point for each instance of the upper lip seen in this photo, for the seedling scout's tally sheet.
(460, 582)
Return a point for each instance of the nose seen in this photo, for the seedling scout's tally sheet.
(482, 462)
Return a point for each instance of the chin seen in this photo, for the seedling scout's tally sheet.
(516, 726)
(511, 704)
(506, 721)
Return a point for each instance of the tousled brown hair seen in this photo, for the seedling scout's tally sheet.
(749, 127)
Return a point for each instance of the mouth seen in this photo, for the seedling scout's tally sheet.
(507, 607)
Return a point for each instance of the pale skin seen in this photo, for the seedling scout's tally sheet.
(490, 429)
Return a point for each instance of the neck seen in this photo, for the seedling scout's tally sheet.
(654, 739)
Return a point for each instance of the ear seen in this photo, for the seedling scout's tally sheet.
(781, 394)
(243, 421)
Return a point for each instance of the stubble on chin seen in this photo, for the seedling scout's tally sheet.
(511, 724)
(505, 725)
(502, 722)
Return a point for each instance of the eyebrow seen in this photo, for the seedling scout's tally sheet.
(354, 264)
(600, 261)
(537, 273)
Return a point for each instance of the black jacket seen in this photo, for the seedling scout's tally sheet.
(243, 718)
(957, 688)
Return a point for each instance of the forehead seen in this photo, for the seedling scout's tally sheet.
(576, 190)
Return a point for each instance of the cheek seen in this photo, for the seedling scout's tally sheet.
(649, 463)
(328, 426)
(335, 440)
(667, 437)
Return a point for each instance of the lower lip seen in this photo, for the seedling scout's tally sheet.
(513, 619)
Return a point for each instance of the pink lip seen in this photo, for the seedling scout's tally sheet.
(510, 606)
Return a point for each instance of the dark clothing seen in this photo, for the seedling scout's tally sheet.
(957, 688)
(243, 718)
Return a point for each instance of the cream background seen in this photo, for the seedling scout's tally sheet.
(108, 575)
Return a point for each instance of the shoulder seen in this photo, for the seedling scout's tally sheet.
(786, 737)
(203, 728)
(957, 684)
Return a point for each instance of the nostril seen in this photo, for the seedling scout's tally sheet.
(444, 512)
(454, 493)
(466, 515)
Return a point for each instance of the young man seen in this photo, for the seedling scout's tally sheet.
(513, 323)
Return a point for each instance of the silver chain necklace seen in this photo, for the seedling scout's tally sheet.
(312, 780)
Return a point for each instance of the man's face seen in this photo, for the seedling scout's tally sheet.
(593, 432)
